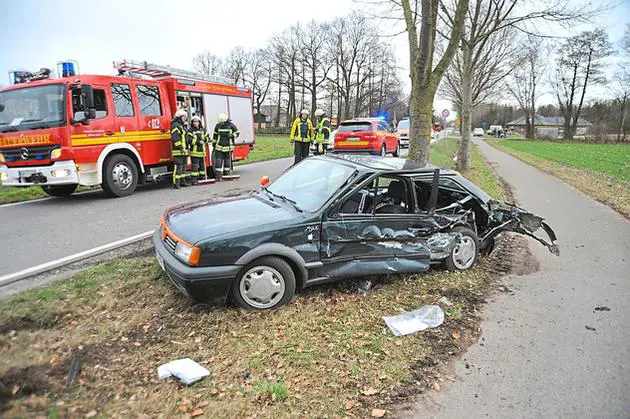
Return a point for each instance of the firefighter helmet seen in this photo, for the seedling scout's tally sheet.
(304, 112)
(180, 113)
(320, 112)
(196, 118)
(222, 117)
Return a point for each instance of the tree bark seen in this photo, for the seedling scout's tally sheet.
(421, 111)
(463, 156)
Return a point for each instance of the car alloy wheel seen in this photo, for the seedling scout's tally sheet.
(465, 253)
(262, 287)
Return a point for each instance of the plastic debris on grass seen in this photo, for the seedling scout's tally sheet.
(185, 370)
(415, 321)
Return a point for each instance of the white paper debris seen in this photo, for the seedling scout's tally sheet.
(414, 321)
(185, 370)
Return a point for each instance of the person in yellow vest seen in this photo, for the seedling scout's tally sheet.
(302, 135)
(225, 133)
(199, 140)
(179, 148)
(322, 132)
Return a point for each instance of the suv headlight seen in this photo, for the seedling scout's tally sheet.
(187, 253)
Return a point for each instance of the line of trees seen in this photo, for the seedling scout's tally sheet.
(343, 66)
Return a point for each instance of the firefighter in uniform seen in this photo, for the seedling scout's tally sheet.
(179, 149)
(225, 132)
(302, 135)
(199, 140)
(322, 132)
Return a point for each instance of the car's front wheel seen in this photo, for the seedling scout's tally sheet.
(266, 283)
(383, 150)
(464, 255)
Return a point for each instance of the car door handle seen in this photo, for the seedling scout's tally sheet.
(109, 132)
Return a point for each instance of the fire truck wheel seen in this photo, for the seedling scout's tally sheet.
(120, 176)
(59, 190)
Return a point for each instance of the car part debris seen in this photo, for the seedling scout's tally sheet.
(601, 308)
(415, 321)
(75, 369)
(444, 300)
(185, 370)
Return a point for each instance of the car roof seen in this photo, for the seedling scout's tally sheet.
(385, 164)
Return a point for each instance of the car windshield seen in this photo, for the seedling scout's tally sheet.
(32, 107)
(311, 183)
(404, 124)
(355, 127)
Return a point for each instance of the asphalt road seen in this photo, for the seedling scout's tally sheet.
(42, 231)
(536, 357)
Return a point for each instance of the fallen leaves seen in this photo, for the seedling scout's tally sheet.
(197, 412)
(378, 413)
(369, 391)
(456, 335)
(436, 386)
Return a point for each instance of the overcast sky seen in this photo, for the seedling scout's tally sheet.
(38, 33)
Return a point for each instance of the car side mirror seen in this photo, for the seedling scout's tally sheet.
(264, 181)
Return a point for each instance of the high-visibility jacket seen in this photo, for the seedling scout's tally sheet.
(178, 138)
(224, 135)
(198, 143)
(298, 134)
(323, 130)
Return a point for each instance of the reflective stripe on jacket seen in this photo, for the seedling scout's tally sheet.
(323, 130)
(224, 135)
(178, 138)
(298, 135)
(198, 144)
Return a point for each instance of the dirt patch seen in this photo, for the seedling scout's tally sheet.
(15, 324)
(19, 383)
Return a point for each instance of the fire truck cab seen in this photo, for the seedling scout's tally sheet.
(112, 131)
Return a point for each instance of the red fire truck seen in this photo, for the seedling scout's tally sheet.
(112, 131)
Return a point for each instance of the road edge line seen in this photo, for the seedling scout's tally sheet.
(38, 269)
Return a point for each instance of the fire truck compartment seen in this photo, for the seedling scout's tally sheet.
(59, 173)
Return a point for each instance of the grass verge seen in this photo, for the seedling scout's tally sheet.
(9, 194)
(601, 171)
(327, 354)
(269, 147)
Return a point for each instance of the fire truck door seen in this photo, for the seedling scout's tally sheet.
(126, 121)
(99, 131)
(153, 136)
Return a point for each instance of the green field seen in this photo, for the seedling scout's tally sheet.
(601, 171)
(610, 159)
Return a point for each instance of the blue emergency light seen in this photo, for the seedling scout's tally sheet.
(68, 68)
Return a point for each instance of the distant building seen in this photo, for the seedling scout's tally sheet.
(549, 126)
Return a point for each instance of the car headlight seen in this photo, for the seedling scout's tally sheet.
(55, 154)
(187, 253)
(2, 159)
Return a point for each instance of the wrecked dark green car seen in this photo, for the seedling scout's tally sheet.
(328, 218)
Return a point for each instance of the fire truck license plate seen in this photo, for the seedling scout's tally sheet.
(160, 261)
(352, 139)
(26, 173)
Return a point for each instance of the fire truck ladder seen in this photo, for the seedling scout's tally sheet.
(162, 71)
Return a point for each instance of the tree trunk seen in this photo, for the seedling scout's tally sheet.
(463, 155)
(420, 111)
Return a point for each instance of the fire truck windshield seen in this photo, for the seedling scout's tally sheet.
(32, 108)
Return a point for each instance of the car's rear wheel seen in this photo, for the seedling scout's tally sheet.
(397, 151)
(59, 190)
(465, 253)
(266, 283)
(383, 150)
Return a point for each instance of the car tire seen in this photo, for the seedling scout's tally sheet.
(59, 190)
(464, 255)
(275, 274)
(397, 151)
(120, 176)
(383, 150)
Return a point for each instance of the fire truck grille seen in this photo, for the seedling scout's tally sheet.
(18, 154)
(170, 243)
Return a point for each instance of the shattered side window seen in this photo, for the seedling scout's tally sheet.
(392, 196)
(449, 192)
(360, 203)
